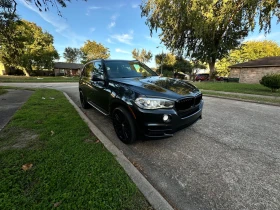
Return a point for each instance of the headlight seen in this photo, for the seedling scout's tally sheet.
(154, 103)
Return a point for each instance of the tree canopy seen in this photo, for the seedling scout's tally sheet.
(72, 55)
(42, 5)
(173, 63)
(8, 22)
(143, 56)
(250, 50)
(207, 30)
(165, 58)
(253, 50)
(34, 50)
(93, 50)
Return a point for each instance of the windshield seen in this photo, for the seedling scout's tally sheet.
(127, 69)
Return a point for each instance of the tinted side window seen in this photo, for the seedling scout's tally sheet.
(88, 70)
(98, 70)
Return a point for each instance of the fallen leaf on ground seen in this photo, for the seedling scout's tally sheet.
(27, 166)
(57, 204)
(52, 133)
(89, 141)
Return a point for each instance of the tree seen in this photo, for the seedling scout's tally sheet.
(183, 65)
(165, 58)
(10, 38)
(253, 50)
(248, 51)
(173, 63)
(93, 50)
(35, 49)
(72, 54)
(42, 5)
(8, 14)
(144, 56)
(207, 30)
(8, 22)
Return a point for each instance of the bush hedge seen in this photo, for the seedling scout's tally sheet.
(271, 81)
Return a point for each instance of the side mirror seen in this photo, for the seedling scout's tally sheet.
(97, 78)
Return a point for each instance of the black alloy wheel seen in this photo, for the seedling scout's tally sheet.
(124, 125)
(83, 100)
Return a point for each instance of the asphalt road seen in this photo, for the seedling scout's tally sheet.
(228, 160)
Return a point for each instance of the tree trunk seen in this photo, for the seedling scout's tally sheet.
(26, 72)
(212, 69)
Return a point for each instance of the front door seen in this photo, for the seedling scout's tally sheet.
(100, 94)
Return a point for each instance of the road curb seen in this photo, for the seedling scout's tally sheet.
(150, 193)
(238, 99)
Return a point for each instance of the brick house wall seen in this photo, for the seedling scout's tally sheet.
(67, 72)
(252, 74)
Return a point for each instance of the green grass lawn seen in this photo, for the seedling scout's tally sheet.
(236, 88)
(2, 90)
(70, 167)
(38, 79)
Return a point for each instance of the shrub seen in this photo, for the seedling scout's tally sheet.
(271, 81)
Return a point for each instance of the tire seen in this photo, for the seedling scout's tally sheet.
(83, 100)
(124, 125)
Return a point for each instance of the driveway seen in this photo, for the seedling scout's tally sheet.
(10, 103)
(228, 160)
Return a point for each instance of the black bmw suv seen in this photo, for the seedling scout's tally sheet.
(138, 100)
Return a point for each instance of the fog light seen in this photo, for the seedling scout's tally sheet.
(166, 118)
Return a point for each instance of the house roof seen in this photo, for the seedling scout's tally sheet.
(62, 65)
(262, 62)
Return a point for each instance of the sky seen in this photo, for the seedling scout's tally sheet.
(116, 24)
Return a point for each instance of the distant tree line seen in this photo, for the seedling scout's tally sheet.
(207, 30)
(247, 51)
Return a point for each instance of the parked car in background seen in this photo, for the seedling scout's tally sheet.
(137, 99)
(219, 78)
(202, 77)
(206, 77)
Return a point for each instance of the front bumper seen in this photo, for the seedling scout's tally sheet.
(150, 122)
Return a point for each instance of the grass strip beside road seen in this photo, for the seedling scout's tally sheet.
(275, 101)
(256, 89)
(50, 158)
(15, 88)
(23, 79)
(2, 90)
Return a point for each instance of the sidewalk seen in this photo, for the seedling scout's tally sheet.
(252, 98)
(243, 94)
(10, 102)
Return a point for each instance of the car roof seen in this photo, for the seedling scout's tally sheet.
(110, 60)
(118, 60)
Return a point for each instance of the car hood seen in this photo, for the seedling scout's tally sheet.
(159, 86)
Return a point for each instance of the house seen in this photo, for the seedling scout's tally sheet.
(253, 71)
(67, 69)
